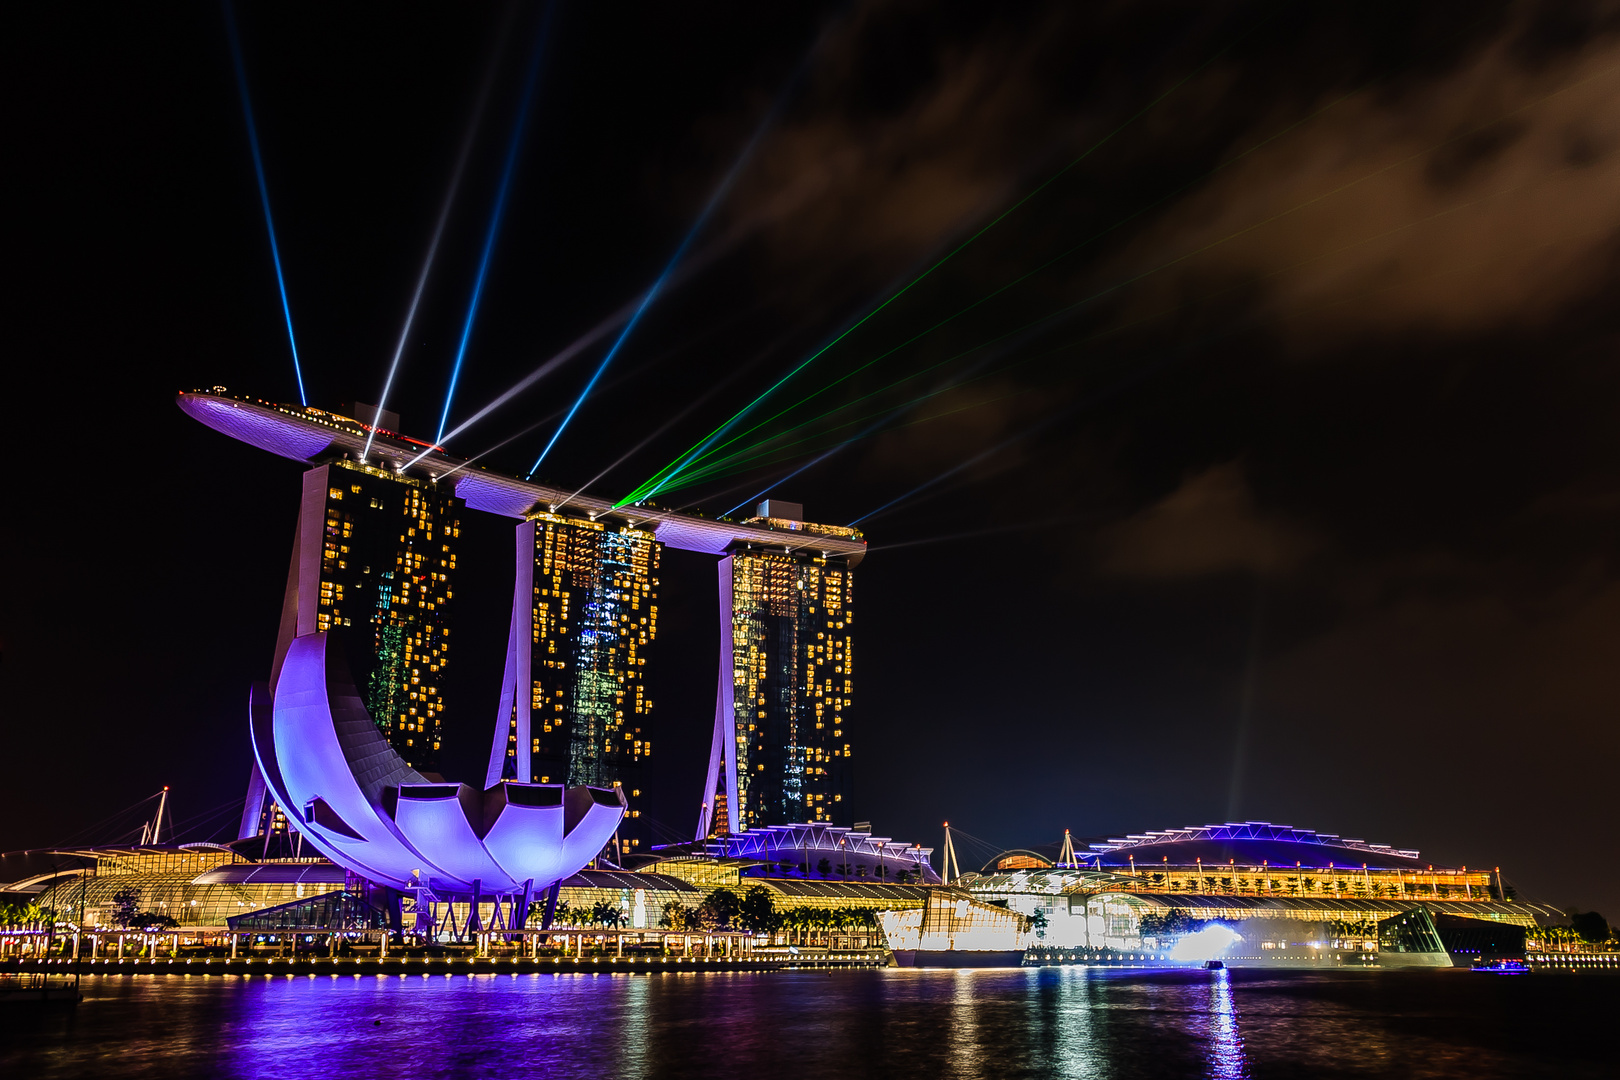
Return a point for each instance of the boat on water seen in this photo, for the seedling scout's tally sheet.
(1503, 967)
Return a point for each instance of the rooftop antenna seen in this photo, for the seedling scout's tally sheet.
(950, 867)
(1066, 855)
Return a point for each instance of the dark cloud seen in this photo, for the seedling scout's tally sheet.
(1479, 197)
(1209, 525)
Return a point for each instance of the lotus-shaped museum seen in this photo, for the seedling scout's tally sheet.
(355, 799)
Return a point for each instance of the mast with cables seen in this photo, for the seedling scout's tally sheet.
(949, 869)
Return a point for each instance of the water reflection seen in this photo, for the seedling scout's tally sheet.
(1075, 1048)
(963, 1053)
(1227, 1060)
(1053, 1022)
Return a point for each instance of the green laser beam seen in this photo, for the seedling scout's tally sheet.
(781, 454)
(741, 461)
(756, 450)
(1321, 197)
(1062, 255)
(1026, 276)
(652, 486)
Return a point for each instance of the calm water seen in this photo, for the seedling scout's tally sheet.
(1033, 1023)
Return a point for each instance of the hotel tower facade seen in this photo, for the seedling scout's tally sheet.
(783, 741)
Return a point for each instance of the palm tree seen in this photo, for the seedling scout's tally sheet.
(677, 916)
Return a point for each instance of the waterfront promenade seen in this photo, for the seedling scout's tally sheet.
(775, 960)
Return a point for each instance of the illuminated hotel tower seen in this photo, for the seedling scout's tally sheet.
(574, 697)
(387, 555)
(372, 558)
(781, 749)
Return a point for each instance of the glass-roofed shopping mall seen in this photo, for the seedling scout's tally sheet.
(1289, 895)
(1113, 893)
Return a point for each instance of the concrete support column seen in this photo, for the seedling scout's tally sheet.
(233, 945)
(621, 943)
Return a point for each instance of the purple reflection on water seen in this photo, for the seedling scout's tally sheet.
(1053, 1022)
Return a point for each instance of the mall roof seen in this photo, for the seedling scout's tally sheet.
(1258, 906)
(1248, 843)
(806, 843)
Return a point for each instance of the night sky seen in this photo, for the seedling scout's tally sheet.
(1266, 449)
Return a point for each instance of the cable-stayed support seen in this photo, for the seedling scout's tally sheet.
(264, 190)
(531, 77)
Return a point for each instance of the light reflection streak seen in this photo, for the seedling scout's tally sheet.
(963, 1051)
(1226, 1057)
(1076, 1047)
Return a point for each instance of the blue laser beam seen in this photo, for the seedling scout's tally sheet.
(438, 228)
(661, 480)
(946, 475)
(762, 492)
(736, 373)
(583, 342)
(264, 190)
(830, 451)
(715, 199)
(510, 166)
